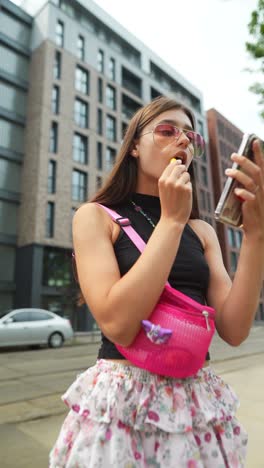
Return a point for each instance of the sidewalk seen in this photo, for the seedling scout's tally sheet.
(28, 407)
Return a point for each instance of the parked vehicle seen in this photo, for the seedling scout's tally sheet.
(30, 326)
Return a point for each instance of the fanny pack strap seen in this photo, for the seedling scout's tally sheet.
(125, 224)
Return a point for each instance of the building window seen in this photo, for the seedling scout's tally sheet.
(50, 219)
(82, 80)
(112, 70)
(81, 113)
(79, 186)
(100, 61)
(129, 107)
(13, 99)
(110, 158)
(53, 138)
(99, 182)
(110, 128)
(11, 136)
(233, 258)
(57, 65)
(12, 62)
(209, 206)
(123, 129)
(57, 271)
(154, 93)
(8, 218)
(7, 264)
(60, 33)
(204, 175)
(100, 89)
(231, 237)
(81, 47)
(131, 82)
(99, 121)
(99, 156)
(80, 148)
(238, 235)
(10, 174)
(203, 200)
(52, 176)
(111, 97)
(55, 99)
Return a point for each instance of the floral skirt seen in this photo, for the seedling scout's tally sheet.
(125, 417)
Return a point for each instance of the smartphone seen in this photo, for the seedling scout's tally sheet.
(228, 209)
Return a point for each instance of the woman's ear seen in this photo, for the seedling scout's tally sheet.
(134, 153)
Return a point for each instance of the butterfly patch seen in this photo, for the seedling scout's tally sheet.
(155, 333)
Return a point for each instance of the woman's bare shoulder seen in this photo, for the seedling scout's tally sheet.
(204, 231)
(93, 217)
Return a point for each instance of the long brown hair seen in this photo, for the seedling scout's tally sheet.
(122, 179)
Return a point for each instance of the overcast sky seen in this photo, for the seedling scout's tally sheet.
(204, 40)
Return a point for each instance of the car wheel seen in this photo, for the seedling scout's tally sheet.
(55, 340)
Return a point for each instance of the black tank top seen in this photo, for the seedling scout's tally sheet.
(189, 273)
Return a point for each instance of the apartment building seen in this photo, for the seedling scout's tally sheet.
(15, 37)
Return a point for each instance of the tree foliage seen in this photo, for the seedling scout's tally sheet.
(256, 48)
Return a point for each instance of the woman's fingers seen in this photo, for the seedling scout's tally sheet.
(258, 149)
(244, 194)
(243, 179)
(251, 174)
(174, 168)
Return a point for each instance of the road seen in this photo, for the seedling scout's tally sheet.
(31, 383)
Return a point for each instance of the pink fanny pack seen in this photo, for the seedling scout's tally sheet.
(176, 337)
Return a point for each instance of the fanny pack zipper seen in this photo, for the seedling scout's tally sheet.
(207, 315)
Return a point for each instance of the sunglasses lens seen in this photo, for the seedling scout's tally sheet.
(197, 143)
(164, 134)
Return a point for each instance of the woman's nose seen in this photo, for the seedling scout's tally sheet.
(183, 139)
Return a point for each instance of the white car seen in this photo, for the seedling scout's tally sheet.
(22, 327)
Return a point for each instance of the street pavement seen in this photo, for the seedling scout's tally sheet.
(31, 383)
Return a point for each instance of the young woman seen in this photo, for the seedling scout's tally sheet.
(122, 416)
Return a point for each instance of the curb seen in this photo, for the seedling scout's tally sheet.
(30, 410)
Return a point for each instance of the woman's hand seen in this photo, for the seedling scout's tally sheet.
(175, 190)
(251, 192)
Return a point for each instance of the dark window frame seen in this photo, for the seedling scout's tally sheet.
(59, 34)
(81, 47)
(50, 219)
(79, 189)
(82, 80)
(52, 173)
(80, 148)
(54, 136)
(55, 99)
(81, 114)
(100, 61)
(57, 65)
(111, 97)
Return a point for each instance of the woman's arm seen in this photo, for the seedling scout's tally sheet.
(119, 304)
(235, 304)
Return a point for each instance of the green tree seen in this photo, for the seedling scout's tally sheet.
(256, 49)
